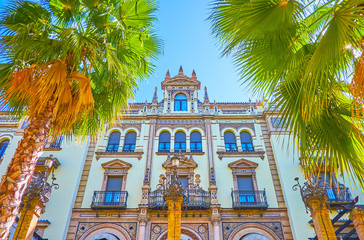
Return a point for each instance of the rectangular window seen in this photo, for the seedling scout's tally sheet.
(184, 181)
(113, 191)
(246, 189)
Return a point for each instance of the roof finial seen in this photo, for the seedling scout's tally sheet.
(193, 73)
(206, 96)
(155, 96)
(168, 74)
(180, 72)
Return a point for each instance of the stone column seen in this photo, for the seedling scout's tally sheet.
(174, 217)
(216, 221)
(27, 223)
(143, 220)
(321, 218)
(357, 216)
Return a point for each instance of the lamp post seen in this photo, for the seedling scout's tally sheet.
(34, 201)
(173, 195)
(315, 199)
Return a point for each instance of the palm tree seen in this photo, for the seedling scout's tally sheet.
(70, 67)
(302, 54)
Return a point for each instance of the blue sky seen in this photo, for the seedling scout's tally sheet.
(188, 41)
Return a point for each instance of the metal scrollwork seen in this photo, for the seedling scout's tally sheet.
(39, 187)
(309, 191)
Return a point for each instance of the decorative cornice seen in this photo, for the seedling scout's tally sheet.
(222, 154)
(137, 155)
(116, 164)
(243, 164)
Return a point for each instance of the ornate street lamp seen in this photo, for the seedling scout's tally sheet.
(315, 199)
(173, 195)
(35, 199)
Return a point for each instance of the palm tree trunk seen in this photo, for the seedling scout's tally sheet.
(21, 168)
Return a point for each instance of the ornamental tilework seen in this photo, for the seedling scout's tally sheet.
(229, 227)
(189, 229)
(129, 227)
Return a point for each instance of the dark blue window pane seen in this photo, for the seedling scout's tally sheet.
(3, 145)
(114, 138)
(229, 137)
(195, 137)
(165, 137)
(180, 137)
(130, 138)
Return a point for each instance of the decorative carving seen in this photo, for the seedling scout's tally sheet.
(200, 229)
(309, 191)
(243, 164)
(237, 126)
(116, 164)
(129, 227)
(229, 227)
(173, 124)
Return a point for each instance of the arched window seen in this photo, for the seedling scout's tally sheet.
(254, 236)
(180, 102)
(230, 142)
(180, 142)
(164, 142)
(114, 141)
(246, 142)
(56, 143)
(196, 144)
(130, 140)
(3, 145)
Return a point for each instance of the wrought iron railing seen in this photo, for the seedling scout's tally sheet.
(194, 199)
(249, 199)
(337, 195)
(109, 199)
(112, 148)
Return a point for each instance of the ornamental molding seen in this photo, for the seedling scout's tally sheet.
(237, 126)
(185, 163)
(86, 228)
(195, 231)
(116, 164)
(180, 81)
(271, 228)
(243, 164)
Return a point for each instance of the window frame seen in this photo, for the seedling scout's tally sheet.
(131, 147)
(164, 149)
(197, 144)
(180, 145)
(249, 149)
(228, 146)
(179, 105)
(114, 149)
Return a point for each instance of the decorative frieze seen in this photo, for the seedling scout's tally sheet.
(129, 227)
(229, 227)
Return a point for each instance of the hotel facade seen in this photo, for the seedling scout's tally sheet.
(237, 166)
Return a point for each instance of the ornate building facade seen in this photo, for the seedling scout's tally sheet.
(236, 173)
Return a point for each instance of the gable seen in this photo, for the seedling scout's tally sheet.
(180, 81)
(184, 163)
(116, 164)
(243, 164)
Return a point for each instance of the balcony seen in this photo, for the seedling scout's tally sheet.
(112, 148)
(249, 199)
(109, 199)
(337, 195)
(195, 199)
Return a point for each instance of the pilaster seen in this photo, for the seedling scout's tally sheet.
(357, 216)
(27, 223)
(321, 219)
(174, 217)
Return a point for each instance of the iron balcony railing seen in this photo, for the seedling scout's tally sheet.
(109, 199)
(249, 199)
(337, 195)
(194, 199)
